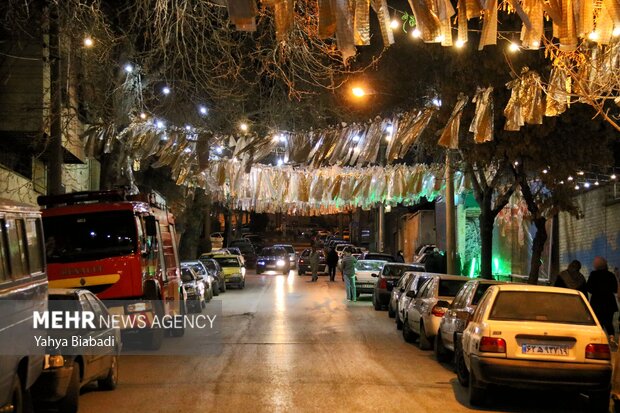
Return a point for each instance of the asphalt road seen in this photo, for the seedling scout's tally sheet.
(293, 345)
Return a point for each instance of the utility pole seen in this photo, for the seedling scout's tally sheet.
(381, 227)
(450, 218)
(55, 160)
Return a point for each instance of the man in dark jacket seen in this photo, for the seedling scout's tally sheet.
(332, 263)
(572, 278)
(603, 286)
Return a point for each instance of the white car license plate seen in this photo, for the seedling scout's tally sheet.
(545, 349)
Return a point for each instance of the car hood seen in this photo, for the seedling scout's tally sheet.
(231, 270)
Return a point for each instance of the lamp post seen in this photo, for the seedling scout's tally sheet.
(450, 218)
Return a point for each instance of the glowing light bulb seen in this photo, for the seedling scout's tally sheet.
(165, 90)
(586, 185)
(219, 149)
(389, 129)
(513, 47)
(577, 187)
(128, 68)
(561, 182)
(570, 178)
(394, 24)
(613, 176)
(536, 43)
(203, 110)
(282, 138)
(244, 127)
(459, 44)
(440, 38)
(160, 124)
(356, 138)
(142, 115)
(188, 127)
(358, 91)
(545, 171)
(436, 102)
(580, 173)
(416, 33)
(594, 36)
(616, 31)
(280, 162)
(596, 183)
(516, 163)
(88, 41)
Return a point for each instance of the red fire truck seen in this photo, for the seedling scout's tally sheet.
(119, 247)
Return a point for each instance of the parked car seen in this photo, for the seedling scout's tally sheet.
(357, 252)
(203, 275)
(340, 248)
(247, 250)
(389, 275)
(554, 340)
(430, 304)
(273, 259)
(379, 256)
(408, 294)
(365, 275)
(396, 292)
(291, 254)
(65, 374)
(303, 265)
(458, 315)
(422, 252)
(233, 269)
(215, 270)
(194, 290)
(217, 240)
(257, 241)
(23, 290)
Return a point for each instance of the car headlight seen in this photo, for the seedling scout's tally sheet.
(280, 263)
(138, 307)
(261, 263)
(53, 361)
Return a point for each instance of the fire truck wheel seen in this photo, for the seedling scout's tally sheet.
(179, 332)
(153, 337)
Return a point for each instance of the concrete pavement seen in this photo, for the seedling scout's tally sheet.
(293, 345)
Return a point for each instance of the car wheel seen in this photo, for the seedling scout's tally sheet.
(391, 312)
(223, 287)
(216, 289)
(242, 285)
(408, 333)
(69, 403)
(599, 401)
(376, 304)
(459, 364)
(399, 324)
(258, 272)
(179, 332)
(425, 342)
(477, 393)
(300, 273)
(111, 380)
(441, 352)
(20, 397)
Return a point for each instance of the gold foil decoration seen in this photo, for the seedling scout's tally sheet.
(557, 93)
(284, 12)
(489, 25)
(242, 13)
(344, 29)
(567, 32)
(426, 20)
(410, 127)
(450, 135)
(327, 19)
(613, 8)
(532, 32)
(526, 103)
(473, 8)
(482, 125)
(462, 21)
(361, 23)
(584, 17)
(444, 12)
(383, 14)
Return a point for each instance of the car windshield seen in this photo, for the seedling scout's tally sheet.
(289, 249)
(186, 275)
(449, 288)
(395, 270)
(244, 248)
(63, 302)
(369, 265)
(232, 261)
(90, 236)
(379, 257)
(482, 288)
(198, 269)
(268, 252)
(541, 306)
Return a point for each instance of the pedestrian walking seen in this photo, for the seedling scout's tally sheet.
(602, 286)
(332, 263)
(314, 264)
(348, 270)
(572, 278)
(400, 257)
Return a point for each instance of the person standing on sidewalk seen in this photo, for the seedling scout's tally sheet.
(332, 263)
(348, 270)
(314, 264)
(603, 286)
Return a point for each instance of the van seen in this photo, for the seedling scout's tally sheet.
(23, 281)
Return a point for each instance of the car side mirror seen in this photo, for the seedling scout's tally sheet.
(374, 275)
(410, 294)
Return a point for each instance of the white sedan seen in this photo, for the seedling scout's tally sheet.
(366, 272)
(537, 337)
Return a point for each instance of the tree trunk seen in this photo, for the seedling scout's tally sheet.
(538, 246)
(227, 226)
(486, 239)
(54, 167)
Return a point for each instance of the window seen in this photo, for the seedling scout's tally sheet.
(186, 275)
(228, 261)
(422, 293)
(459, 300)
(449, 288)
(17, 248)
(479, 293)
(542, 307)
(34, 239)
(404, 280)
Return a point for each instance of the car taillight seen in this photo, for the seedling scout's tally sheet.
(598, 352)
(438, 311)
(492, 345)
(383, 283)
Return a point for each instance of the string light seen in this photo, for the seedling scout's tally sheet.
(143, 115)
(613, 176)
(389, 129)
(586, 185)
(616, 31)
(459, 44)
(88, 41)
(436, 102)
(561, 182)
(513, 47)
(219, 150)
(545, 171)
(188, 127)
(570, 178)
(356, 138)
(536, 43)
(187, 150)
(596, 183)
(594, 36)
(358, 92)
(203, 110)
(244, 127)
(580, 173)
(577, 188)
(280, 162)
(165, 90)
(516, 163)
(440, 38)
(394, 24)
(128, 68)
(416, 33)
(160, 124)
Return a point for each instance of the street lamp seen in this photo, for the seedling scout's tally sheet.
(244, 127)
(88, 41)
(358, 91)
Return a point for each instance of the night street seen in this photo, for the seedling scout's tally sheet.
(292, 345)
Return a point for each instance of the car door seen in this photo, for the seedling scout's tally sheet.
(418, 306)
(450, 321)
(102, 359)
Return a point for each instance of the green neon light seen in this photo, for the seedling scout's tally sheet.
(472, 268)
